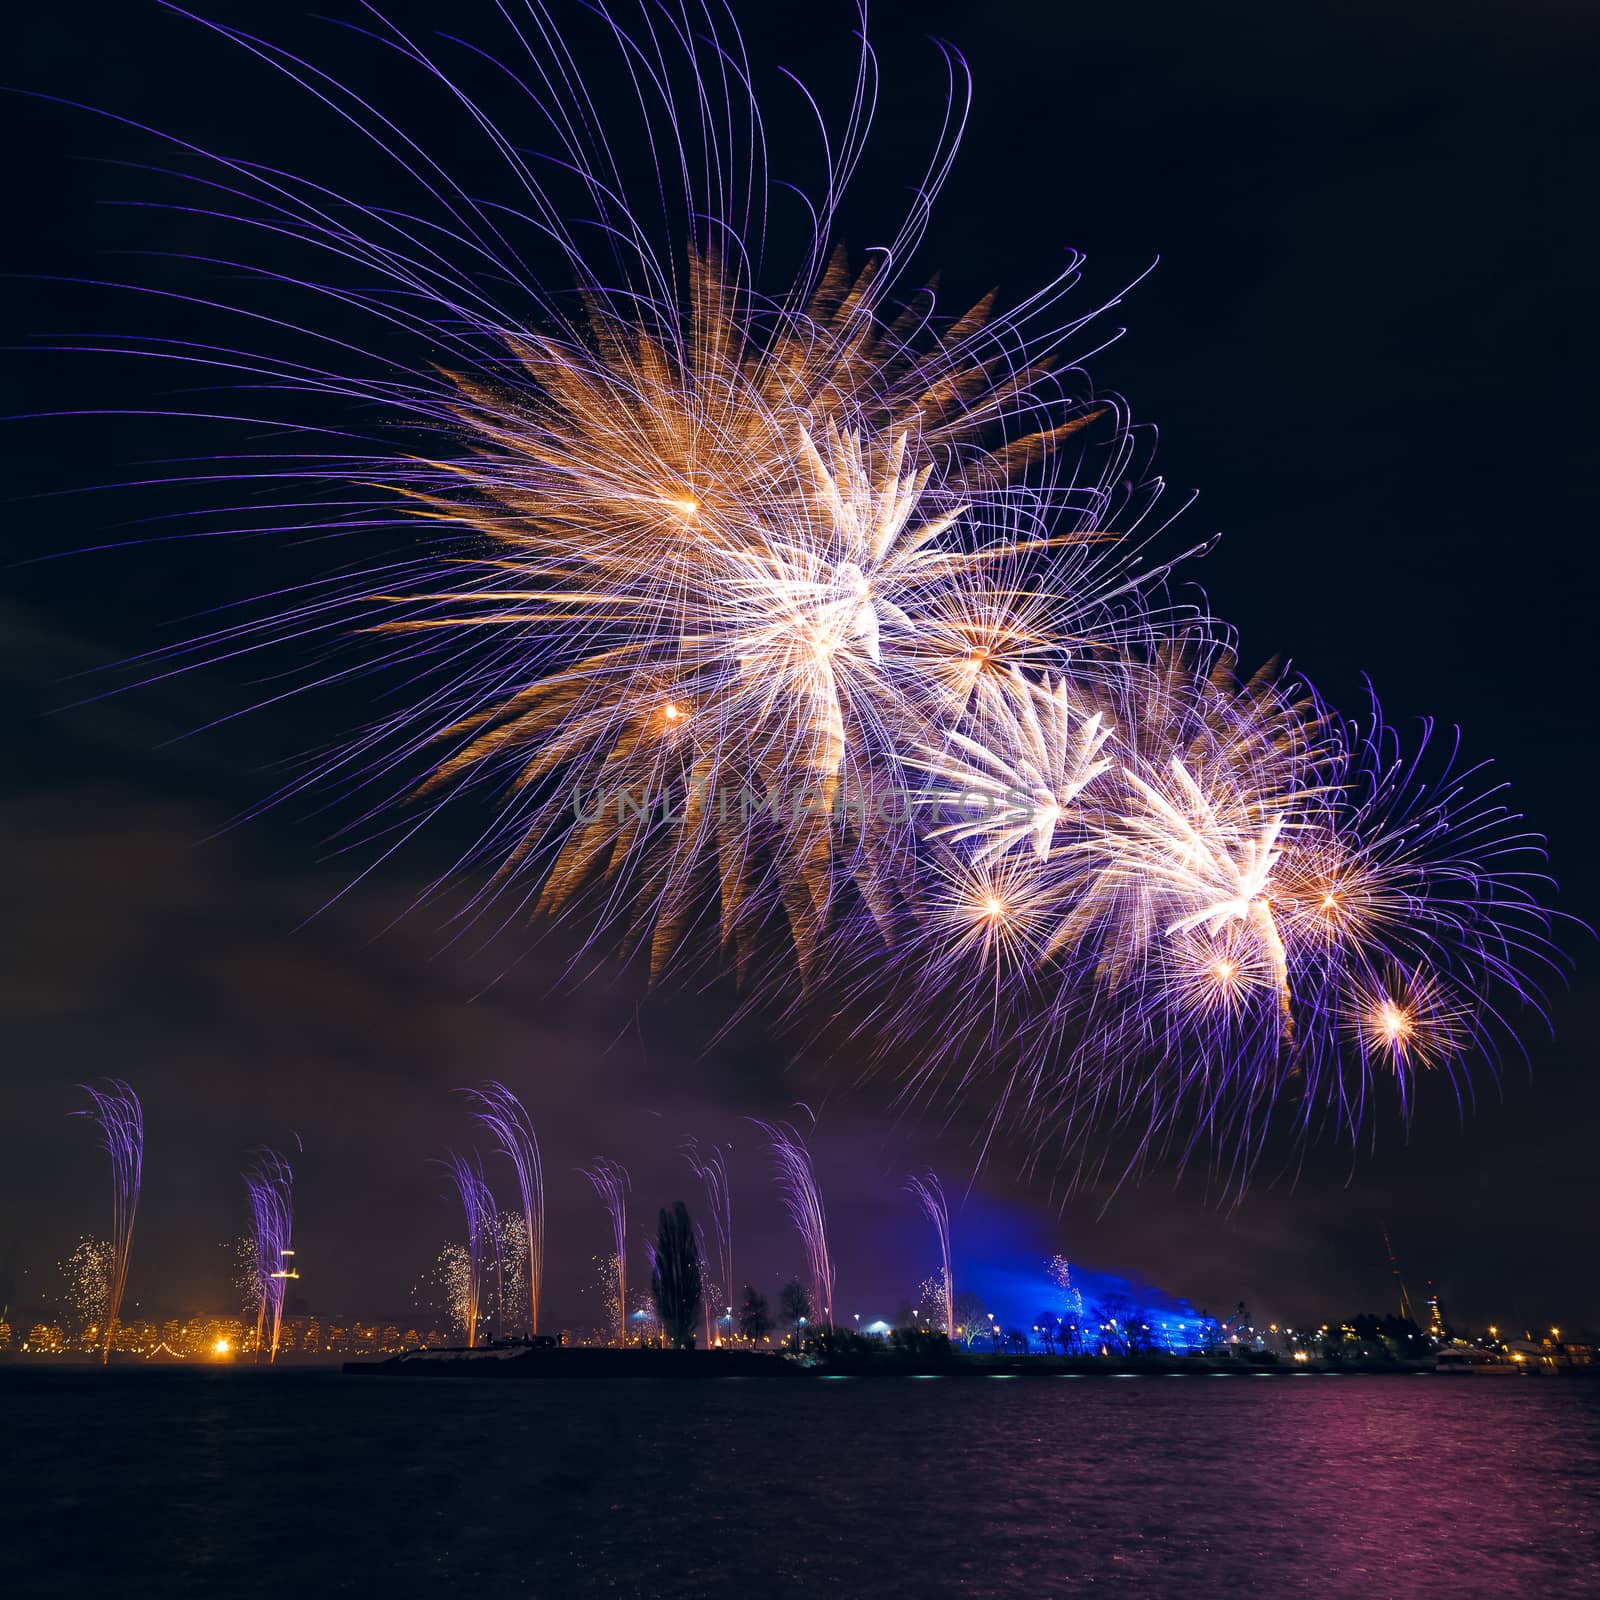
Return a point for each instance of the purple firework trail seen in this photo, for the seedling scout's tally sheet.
(504, 1115)
(120, 1118)
(930, 1196)
(712, 1171)
(477, 1205)
(270, 1184)
(797, 1183)
(611, 1182)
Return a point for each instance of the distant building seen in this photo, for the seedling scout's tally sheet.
(1438, 1325)
(135, 1338)
(1526, 1353)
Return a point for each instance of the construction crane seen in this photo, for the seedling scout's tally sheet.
(1394, 1267)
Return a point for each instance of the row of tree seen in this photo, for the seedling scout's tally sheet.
(677, 1288)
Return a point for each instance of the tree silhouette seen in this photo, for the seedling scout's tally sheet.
(675, 1280)
(794, 1305)
(972, 1321)
(1117, 1324)
(755, 1321)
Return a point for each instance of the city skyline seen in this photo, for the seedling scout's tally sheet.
(881, 1234)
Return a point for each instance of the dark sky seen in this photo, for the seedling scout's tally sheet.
(1368, 344)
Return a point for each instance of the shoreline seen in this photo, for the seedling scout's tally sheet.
(585, 1364)
(588, 1364)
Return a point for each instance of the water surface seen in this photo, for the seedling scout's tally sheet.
(304, 1483)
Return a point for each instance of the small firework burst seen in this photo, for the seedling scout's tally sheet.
(1407, 1020)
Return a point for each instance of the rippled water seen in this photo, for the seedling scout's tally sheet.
(211, 1482)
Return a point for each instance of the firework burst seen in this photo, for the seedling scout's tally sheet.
(705, 536)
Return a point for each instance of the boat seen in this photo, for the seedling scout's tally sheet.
(1471, 1363)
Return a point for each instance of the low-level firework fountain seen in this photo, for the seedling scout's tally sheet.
(504, 1115)
(120, 1118)
(477, 1206)
(797, 1184)
(270, 1184)
(930, 1196)
(712, 1171)
(611, 1182)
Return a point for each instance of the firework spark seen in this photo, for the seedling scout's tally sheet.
(605, 1287)
(88, 1273)
(449, 1287)
(1059, 1271)
(120, 1118)
(509, 1242)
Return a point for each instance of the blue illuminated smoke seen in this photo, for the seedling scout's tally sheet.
(1099, 1311)
(999, 1259)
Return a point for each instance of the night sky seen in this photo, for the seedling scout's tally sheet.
(1368, 344)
